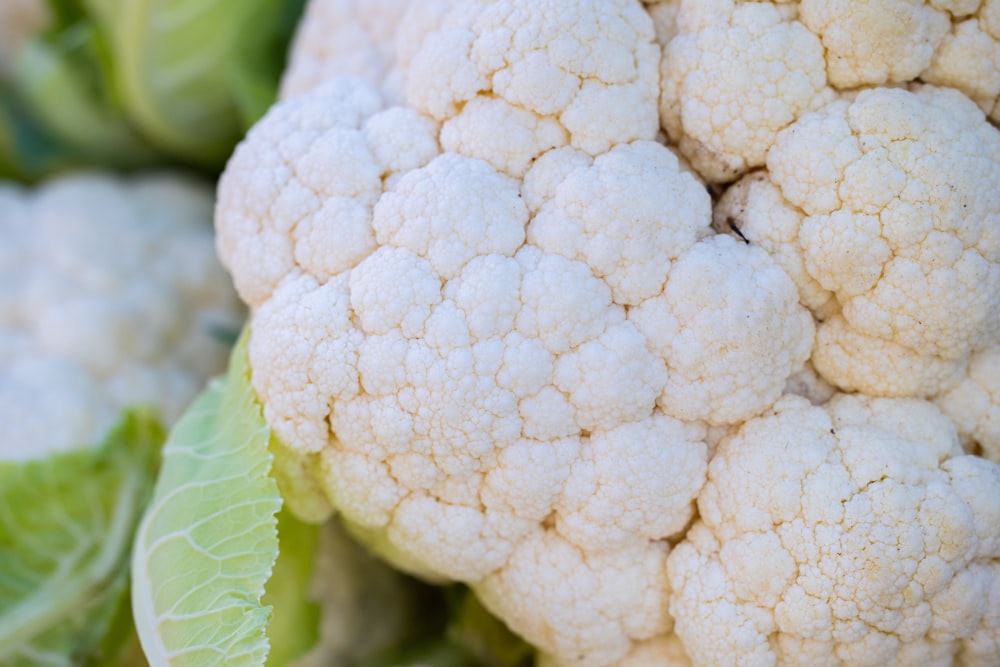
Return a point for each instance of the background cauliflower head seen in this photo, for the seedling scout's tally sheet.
(501, 370)
(110, 296)
(856, 533)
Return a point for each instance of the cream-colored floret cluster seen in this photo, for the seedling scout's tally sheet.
(493, 327)
(376, 41)
(110, 296)
(872, 541)
(884, 211)
(479, 383)
(488, 320)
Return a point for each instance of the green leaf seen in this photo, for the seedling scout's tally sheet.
(56, 78)
(175, 64)
(66, 527)
(27, 152)
(483, 635)
(208, 541)
(294, 628)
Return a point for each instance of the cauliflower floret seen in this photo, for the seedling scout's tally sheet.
(724, 360)
(112, 297)
(372, 40)
(856, 533)
(456, 360)
(592, 66)
(734, 75)
(872, 42)
(581, 74)
(883, 210)
(974, 403)
(735, 72)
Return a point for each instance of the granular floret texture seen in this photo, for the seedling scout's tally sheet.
(494, 377)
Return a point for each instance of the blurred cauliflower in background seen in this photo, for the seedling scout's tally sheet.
(114, 311)
(110, 296)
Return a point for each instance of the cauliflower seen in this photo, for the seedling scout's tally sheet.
(974, 403)
(112, 304)
(489, 325)
(732, 77)
(497, 326)
(349, 37)
(856, 533)
(110, 296)
(968, 57)
(737, 72)
(883, 210)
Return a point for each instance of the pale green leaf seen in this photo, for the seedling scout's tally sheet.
(294, 629)
(181, 67)
(66, 526)
(208, 541)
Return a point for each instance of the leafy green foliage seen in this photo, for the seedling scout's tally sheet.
(133, 83)
(66, 528)
(208, 541)
(294, 628)
(461, 633)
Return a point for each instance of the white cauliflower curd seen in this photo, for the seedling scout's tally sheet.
(974, 404)
(736, 72)
(492, 327)
(110, 297)
(885, 211)
(372, 40)
(497, 325)
(856, 533)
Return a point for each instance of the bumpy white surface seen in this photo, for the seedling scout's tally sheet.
(479, 352)
(734, 75)
(555, 78)
(884, 211)
(974, 404)
(110, 296)
(968, 58)
(735, 72)
(372, 40)
(851, 534)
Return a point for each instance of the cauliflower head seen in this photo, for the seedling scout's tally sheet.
(884, 211)
(856, 533)
(370, 40)
(498, 355)
(110, 296)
